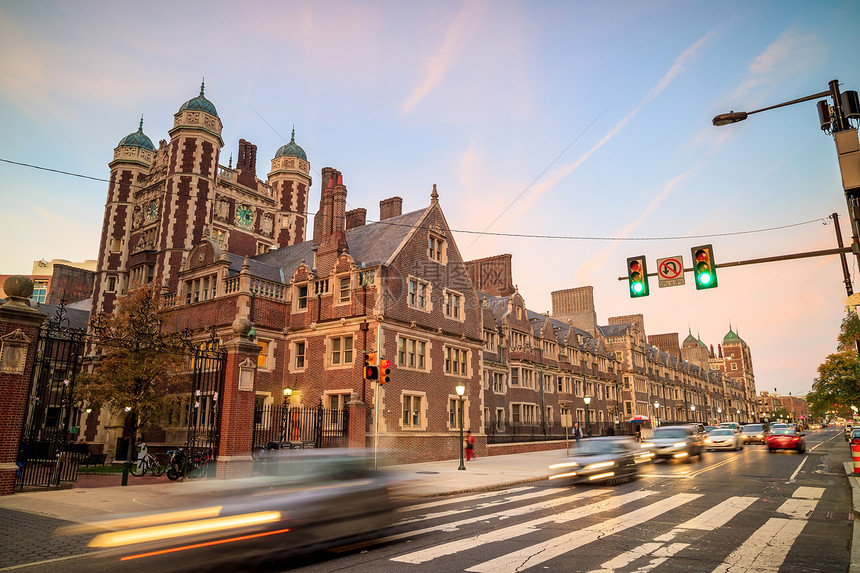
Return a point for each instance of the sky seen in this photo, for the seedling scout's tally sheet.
(587, 123)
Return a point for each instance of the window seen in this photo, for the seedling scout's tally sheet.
(456, 360)
(412, 411)
(528, 378)
(549, 414)
(111, 286)
(453, 305)
(437, 249)
(40, 291)
(220, 237)
(344, 292)
(302, 297)
(579, 391)
(628, 407)
(299, 353)
(200, 289)
(418, 294)
(412, 353)
(498, 382)
(515, 413)
(341, 350)
(515, 376)
(734, 365)
(491, 340)
(454, 407)
(580, 416)
(500, 419)
(547, 384)
(366, 278)
(262, 357)
(117, 245)
(263, 248)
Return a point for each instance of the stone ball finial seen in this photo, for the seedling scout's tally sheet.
(242, 326)
(18, 287)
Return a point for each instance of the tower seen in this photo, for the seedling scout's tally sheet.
(290, 179)
(132, 159)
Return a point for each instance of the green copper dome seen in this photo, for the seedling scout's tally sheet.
(731, 337)
(137, 139)
(200, 103)
(291, 149)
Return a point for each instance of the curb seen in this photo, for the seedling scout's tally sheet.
(854, 483)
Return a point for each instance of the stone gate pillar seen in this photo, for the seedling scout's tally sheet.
(19, 331)
(237, 404)
(357, 428)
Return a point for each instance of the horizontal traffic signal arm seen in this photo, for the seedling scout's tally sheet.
(807, 255)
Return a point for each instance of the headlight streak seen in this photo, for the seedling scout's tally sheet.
(204, 544)
(681, 455)
(601, 476)
(169, 531)
(567, 475)
(563, 465)
(599, 465)
(679, 444)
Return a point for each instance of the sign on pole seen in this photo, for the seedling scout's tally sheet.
(670, 271)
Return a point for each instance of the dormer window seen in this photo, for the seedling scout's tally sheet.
(302, 297)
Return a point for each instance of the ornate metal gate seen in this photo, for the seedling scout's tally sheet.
(204, 412)
(47, 454)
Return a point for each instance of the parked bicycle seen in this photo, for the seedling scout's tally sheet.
(186, 464)
(147, 462)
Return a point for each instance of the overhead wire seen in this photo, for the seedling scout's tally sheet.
(484, 232)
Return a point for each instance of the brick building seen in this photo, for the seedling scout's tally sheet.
(224, 245)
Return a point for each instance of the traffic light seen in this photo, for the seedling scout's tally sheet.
(637, 276)
(704, 268)
(371, 372)
(384, 371)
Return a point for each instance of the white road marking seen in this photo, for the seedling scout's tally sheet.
(540, 552)
(708, 520)
(797, 471)
(501, 501)
(809, 492)
(661, 556)
(450, 500)
(766, 549)
(454, 526)
(506, 533)
(797, 508)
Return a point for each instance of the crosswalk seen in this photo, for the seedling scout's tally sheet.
(542, 528)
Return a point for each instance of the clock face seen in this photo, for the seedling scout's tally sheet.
(152, 210)
(244, 215)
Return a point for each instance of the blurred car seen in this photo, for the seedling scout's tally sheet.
(310, 499)
(785, 439)
(673, 442)
(848, 428)
(709, 429)
(855, 437)
(723, 439)
(778, 425)
(606, 459)
(753, 434)
(731, 425)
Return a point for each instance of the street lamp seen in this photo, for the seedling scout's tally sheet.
(719, 414)
(461, 389)
(287, 393)
(587, 401)
(285, 414)
(657, 413)
(693, 410)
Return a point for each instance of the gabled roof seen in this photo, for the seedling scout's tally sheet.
(371, 244)
(615, 329)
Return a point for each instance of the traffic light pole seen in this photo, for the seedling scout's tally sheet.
(789, 257)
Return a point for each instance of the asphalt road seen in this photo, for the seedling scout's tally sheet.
(728, 511)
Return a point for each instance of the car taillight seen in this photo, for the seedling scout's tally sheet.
(794, 438)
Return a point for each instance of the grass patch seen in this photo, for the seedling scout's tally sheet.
(105, 469)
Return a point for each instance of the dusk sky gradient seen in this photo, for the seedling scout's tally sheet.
(585, 119)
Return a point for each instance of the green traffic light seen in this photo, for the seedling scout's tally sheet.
(705, 278)
(705, 269)
(637, 287)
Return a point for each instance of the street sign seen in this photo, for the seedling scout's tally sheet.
(670, 271)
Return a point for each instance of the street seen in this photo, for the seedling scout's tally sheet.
(729, 511)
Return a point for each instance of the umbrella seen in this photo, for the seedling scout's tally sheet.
(639, 419)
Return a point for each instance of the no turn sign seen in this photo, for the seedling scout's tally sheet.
(670, 271)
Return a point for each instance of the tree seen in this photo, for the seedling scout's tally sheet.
(139, 368)
(849, 332)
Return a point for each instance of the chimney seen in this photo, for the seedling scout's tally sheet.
(333, 227)
(246, 164)
(356, 218)
(389, 208)
(327, 174)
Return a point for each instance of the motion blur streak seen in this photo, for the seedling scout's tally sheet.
(143, 520)
(120, 538)
(198, 545)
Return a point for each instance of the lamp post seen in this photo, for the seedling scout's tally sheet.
(833, 119)
(461, 389)
(657, 414)
(738, 412)
(587, 401)
(285, 414)
(719, 414)
(693, 410)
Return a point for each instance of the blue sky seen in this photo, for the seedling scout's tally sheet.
(588, 119)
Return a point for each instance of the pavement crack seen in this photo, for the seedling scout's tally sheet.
(524, 564)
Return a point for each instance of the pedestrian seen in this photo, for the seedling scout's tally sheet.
(638, 433)
(577, 433)
(470, 445)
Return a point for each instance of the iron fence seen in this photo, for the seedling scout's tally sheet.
(514, 433)
(282, 426)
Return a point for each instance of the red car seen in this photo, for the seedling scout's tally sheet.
(785, 439)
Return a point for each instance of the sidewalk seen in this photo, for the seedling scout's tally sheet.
(95, 497)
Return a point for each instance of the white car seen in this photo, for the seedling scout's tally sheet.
(724, 439)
